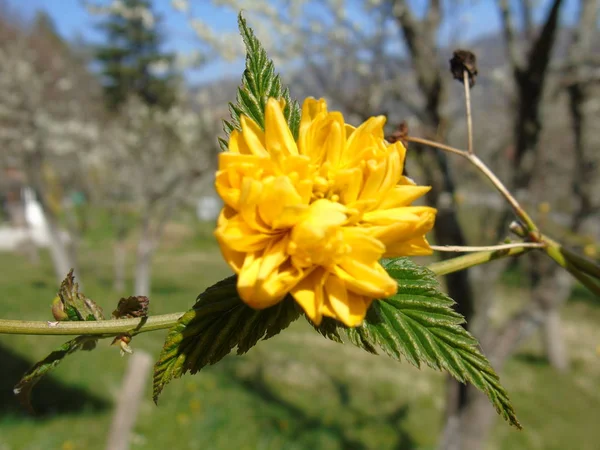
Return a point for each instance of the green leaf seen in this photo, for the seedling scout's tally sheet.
(131, 307)
(419, 324)
(218, 322)
(71, 304)
(24, 387)
(259, 83)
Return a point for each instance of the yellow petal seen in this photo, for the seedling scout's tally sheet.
(335, 141)
(364, 136)
(274, 256)
(229, 160)
(399, 147)
(348, 183)
(413, 247)
(372, 281)
(349, 129)
(226, 213)
(228, 194)
(251, 195)
(393, 172)
(401, 214)
(398, 232)
(309, 294)
(264, 281)
(375, 173)
(254, 138)
(247, 278)
(348, 307)
(236, 234)
(279, 194)
(290, 216)
(312, 139)
(237, 145)
(403, 196)
(364, 247)
(278, 137)
(322, 216)
(311, 108)
(234, 259)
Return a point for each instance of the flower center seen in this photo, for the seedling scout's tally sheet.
(318, 238)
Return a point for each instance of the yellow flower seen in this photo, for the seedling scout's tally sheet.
(313, 217)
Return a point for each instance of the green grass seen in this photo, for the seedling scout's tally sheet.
(295, 391)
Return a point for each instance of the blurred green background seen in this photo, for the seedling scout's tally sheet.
(295, 391)
(109, 119)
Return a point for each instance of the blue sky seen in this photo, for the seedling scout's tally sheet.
(72, 19)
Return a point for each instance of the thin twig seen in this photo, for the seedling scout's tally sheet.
(466, 248)
(473, 159)
(447, 266)
(466, 83)
(446, 148)
(516, 206)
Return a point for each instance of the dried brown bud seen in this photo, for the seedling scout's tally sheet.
(464, 60)
(400, 134)
(131, 307)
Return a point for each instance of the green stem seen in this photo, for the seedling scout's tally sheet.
(473, 259)
(100, 327)
(585, 265)
(115, 327)
(565, 258)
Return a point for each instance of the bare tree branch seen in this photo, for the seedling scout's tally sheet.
(510, 42)
(579, 93)
(527, 18)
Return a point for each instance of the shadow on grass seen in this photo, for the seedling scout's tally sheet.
(40, 284)
(49, 397)
(581, 294)
(532, 359)
(164, 287)
(304, 423)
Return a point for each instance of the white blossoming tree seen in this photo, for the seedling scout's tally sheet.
(158, 145)
(306, 224)
(149, 163)
(387, 57)
(46, 122)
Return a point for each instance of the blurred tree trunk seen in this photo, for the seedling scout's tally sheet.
(420, 36)
(158, 211)
(119, 264)
(553, 339)
(469, 427)
(578, 90)
(122, 231)
(16, 218)
(62, 258)
(143, 267)
(530, 82)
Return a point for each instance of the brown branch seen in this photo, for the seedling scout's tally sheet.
(527, 18)
(433, 17)
(539, 56)
(583, 171)
(512, 52)
(421, 42)
(530, 82)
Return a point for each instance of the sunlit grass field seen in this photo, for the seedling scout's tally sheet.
(295, 391)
